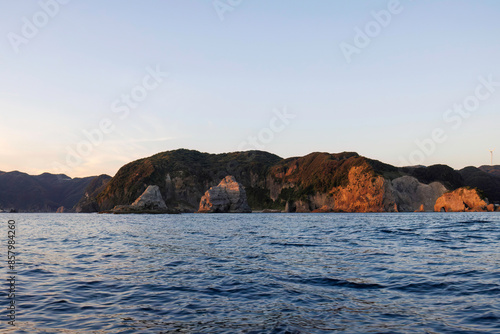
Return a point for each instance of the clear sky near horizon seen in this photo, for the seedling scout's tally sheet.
(354, 79)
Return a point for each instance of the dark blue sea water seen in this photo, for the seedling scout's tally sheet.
(255, 273)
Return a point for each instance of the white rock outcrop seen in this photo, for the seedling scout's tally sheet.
(228, 196)
(412, 195)
(150, 199)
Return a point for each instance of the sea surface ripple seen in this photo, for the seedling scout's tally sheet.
(256, 273)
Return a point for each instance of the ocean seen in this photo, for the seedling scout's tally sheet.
(252, 273)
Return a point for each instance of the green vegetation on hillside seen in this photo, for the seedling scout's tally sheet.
(270, 181)
(198, 171)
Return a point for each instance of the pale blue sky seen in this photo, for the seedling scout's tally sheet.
(227, 76)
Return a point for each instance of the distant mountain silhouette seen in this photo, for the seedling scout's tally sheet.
(40, 193)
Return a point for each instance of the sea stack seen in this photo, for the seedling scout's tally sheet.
(228, 196)
(150, 199)
(460, 200)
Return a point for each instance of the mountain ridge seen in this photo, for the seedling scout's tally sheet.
(318, 181)
(40, 193)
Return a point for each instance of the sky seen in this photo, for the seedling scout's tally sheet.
(88, 86)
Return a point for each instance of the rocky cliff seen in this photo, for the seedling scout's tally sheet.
(347, 182)
(411, 195)
(227, 196)
(325, 182)
(320, 182)
(183, 177)
(88, 201)
(461, 200)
